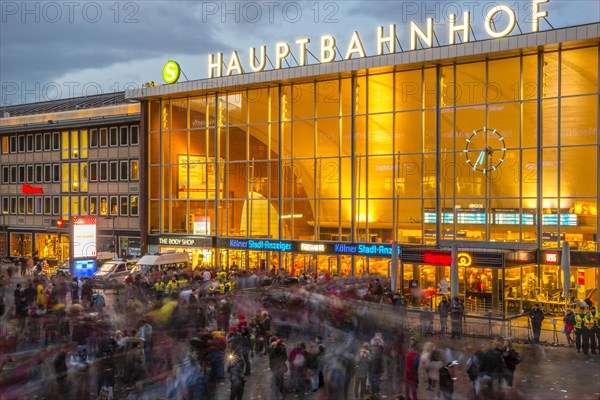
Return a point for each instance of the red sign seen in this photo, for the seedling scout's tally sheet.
(552, 257)
(28, 189)
(60, 222)
(580, 277)
(437, 258)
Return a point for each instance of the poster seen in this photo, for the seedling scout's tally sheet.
(197, 177)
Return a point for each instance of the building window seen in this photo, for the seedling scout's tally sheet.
(83, 143)
(64, 154)
(66, 203)
(30, 146)
(83, 177)
(83, 201)
(47, 205)
(56, 141)
(134, 205)
(65, 184)
(13, 144)
(47, 141)
(124, 139)
(4, 206)
(13, 174)
(93, 172)
(123, 170)
(38, 142)
(22, 205)
(38, 205)
(114, 176)
(93, 138)
(30, 174)
(103, 137)
(75, 177)
(124, 211)
(13, 205)
(135, 135)
(135, 170)
(30, 205)
(5, 174)
(56, 205)
(21, 174)
(114, 205)
(93, 205)
(21, 144)
(103, 171)
(113, 137)
(5, 146)
(75, 205)
(103, 205)
(55, 172)
(39, 173)
(47, 173)
(75, 144)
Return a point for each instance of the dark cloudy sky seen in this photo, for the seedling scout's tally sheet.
(52, 49)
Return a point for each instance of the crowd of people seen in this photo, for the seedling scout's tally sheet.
(330, 336)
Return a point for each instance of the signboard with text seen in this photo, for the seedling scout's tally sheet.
(84, 237)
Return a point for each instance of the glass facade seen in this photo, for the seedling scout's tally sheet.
(502, 150)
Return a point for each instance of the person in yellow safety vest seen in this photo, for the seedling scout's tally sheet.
(172, 285)
(578, 327)
(159, 288)
(182, 282)
(222, 276)
(222, 288)
(589, 333)
(596, 317)
(211, 290)
(230, 285)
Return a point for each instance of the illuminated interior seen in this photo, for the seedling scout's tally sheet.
(355, 158)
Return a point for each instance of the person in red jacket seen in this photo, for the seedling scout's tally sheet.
(411, 372)
(297, 360)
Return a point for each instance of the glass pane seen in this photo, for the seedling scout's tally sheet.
(578, 171)
(381, 92)
(529, 128)
(579, 71)
(303, 134)
(258, 105)
(550, 122)
(408, 90)
(179, 114)
(328, 99)
(503, 80)
(328, 139)
(470, 83)
(578, 120)
(550, 172)
(380, 134)
(550, 75)
(303, 101)
(407, 132)
(237, 108)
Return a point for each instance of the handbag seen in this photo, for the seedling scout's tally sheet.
(564, 329)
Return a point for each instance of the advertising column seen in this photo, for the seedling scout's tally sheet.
(83, 249)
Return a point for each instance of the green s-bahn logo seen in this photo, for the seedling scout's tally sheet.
(171, 72)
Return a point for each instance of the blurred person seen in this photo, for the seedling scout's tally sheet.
(569, 325)
(277, 363)
(456, 315)
(426, 319)
(376, 365)
(588, 330)
(446, 379)
(511, 359)
(536, 315)
(74, 288)
(578, 328)
(235, 367)
(596, 317)
(297, 361)
(361, 373)
(312, 366)
(411, 372)
(443, 311)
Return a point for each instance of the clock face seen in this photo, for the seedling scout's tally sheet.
(485, 150)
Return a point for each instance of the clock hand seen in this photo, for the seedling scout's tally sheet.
(479, 160)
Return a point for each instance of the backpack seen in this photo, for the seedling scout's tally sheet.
(473, 367)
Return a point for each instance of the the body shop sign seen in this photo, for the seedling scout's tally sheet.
(84, 237)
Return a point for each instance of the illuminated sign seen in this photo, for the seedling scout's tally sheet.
(84, 237)
(84, 268)
(312, 247)
(260, 244)
(580, 277)
(437, 258)
(328, 45)
(464, 260)
(177, 241)
(201, 225)
(551, 257)
(171, 72)
(28, 189)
